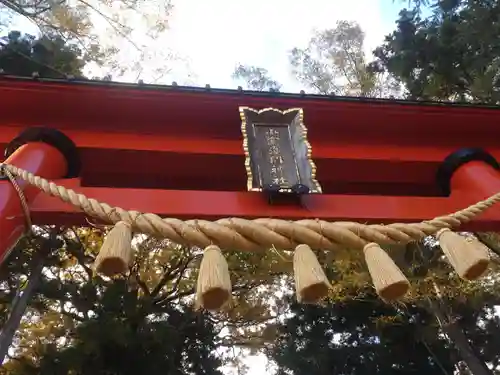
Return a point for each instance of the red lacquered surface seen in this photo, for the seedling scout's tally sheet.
(212, 205)
(40, 159)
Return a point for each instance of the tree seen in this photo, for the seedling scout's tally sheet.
(334, 62)
(443, 325)
(256, 78)
(368, 336)
(81, 323)
(22, 55)
(452, 55)
(99, 26)
(76, 318)
(121, 338)
(361, 336)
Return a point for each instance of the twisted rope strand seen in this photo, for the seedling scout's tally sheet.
(258, 234)
(19, 191)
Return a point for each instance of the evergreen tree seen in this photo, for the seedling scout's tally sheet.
(124, 337)
(368, 336)
(97, 28)
(80, 323)
(357, 337)
(454, 54)
(50, 57)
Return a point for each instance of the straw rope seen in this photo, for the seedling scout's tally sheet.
(22, 199)
(258, 234)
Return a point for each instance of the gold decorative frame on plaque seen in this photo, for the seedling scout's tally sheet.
(286, 142)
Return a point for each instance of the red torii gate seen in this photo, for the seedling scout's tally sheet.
(177, 152)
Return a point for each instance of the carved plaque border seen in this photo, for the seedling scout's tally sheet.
(297, 166)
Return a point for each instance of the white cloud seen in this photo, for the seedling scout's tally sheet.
(215, 35)
(218, 34)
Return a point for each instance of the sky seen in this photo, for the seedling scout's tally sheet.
(218, 34)
(213, 36)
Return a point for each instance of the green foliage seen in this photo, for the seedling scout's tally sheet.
(334, 62)
(360, 337)
(98, 27)
(123, 337)
(51, 57)
(80, 323)
(74, 19)
(256, 78)
(368, 336)
(12, 277)
(452, 55)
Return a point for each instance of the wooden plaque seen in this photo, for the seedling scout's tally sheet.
(276, 149)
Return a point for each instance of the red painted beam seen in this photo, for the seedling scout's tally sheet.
(359, 146)
(173, 162)
(40, 159)
(211, 205)
(475, 179)
(211, 115)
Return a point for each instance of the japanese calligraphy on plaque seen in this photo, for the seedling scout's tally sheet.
(276, 149)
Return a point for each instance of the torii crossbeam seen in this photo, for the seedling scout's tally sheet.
(177, 152)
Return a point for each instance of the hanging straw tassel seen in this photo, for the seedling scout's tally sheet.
(311, 283)
(116, 254)
(388, 280)
(213, 288)
(469, 258)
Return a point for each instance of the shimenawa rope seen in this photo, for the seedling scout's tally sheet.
(469, 259)
(242, 234)
(24, 204)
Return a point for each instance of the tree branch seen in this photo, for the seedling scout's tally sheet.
(167, 299)
(79, 255)
(179, 272)
(70, 314)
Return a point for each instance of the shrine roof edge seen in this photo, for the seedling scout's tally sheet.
(4, 78)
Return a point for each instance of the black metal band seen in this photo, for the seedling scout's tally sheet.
(54, 138)
(456, 160)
